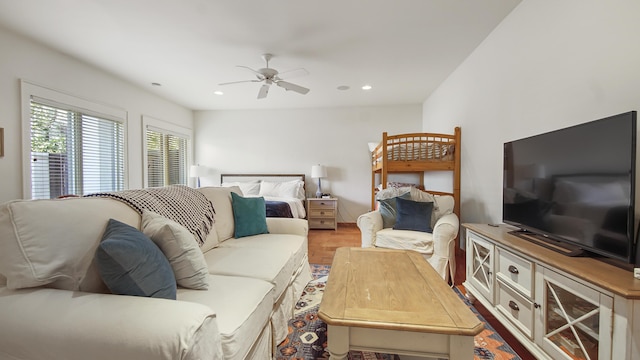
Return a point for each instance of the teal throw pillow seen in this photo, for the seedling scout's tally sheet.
(249, 215)
(388, 210)
(131, 264)
(413, 215)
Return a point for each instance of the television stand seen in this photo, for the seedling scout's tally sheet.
(557, 306)
(549, 243)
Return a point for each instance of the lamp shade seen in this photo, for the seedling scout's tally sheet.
(372, 146)
(318, 171)
(196, 171)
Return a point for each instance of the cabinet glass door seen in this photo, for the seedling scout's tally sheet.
(573, 317)
(480, 260)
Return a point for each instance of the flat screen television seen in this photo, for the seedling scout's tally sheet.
(575, 186)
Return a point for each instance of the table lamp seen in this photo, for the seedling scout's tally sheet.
(318, 172)
(195, 171)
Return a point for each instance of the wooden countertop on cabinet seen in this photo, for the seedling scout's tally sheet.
(322, 213)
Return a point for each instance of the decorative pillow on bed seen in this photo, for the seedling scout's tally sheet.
(131, 264)
(180, 248)
(388, 210)
(413, 215)
(248, 188)
(249, 215)
(284, 189)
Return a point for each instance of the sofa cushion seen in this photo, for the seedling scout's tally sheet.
(421, 242)
(413, 215)
(131, 264)
(249, 215)
(243, 306)
(180, 248)
(287, 243)
(53, 242)
(271, 265)
(443, 206)
(220, 197)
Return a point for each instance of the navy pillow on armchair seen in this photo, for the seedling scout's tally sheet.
(413, 215)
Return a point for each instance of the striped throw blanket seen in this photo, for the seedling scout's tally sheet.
(182, 204)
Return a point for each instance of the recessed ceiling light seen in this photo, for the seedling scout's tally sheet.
(366, 87)
(218, 92)
(343, 87)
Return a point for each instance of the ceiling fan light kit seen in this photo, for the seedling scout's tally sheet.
(270, 76)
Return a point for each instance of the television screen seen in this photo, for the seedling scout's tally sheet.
(576, 185)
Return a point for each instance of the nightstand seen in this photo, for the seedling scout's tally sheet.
(322, 213)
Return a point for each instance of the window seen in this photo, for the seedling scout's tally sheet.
(73, 150)
(166, 159)
(167, 148)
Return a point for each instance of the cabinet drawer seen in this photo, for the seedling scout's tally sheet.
(322, 205)
(320, 213)
(322, 223)
(515, 271)
(515, 307)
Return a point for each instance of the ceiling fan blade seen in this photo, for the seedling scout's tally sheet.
(289, 86)
(293, 73)
(264, 90)
(256, 72)
(237, 82)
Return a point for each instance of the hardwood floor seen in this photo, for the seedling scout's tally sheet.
(323, 244)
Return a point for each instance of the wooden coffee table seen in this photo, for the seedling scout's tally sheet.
(393, 301)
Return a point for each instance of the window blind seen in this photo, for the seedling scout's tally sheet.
(166, 158)
(73, 152)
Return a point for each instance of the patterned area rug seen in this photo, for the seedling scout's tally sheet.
(307, 339)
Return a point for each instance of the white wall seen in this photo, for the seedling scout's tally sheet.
(550, 64)
(291, 141)
(23, 59)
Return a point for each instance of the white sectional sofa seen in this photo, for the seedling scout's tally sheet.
(54, 304)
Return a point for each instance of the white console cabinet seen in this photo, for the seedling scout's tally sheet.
(559, 307)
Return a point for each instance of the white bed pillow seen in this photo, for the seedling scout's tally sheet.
(284, 189)
(248, 188)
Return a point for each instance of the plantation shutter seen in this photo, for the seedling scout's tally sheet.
(166, 158)
(73, 152)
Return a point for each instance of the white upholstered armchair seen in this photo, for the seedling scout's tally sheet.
(437, 247)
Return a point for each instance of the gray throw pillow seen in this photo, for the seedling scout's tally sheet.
(388, 210)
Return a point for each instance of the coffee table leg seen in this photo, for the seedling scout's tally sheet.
(338, 342)
(460, 347)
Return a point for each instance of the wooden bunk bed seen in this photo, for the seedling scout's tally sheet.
(417, 153)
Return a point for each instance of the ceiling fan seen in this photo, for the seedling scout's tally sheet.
(270, 76)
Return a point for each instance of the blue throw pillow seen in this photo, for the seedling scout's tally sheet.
(131, 264)
(388, 210)
(413, 215)
(249, 215)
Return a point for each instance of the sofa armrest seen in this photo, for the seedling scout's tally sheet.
(288, 226)
(59, 324)
(445, 232)
(369, 224)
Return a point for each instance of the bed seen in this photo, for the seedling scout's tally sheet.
(416, 153)
(284, 194)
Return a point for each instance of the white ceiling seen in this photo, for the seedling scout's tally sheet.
(403, 48)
